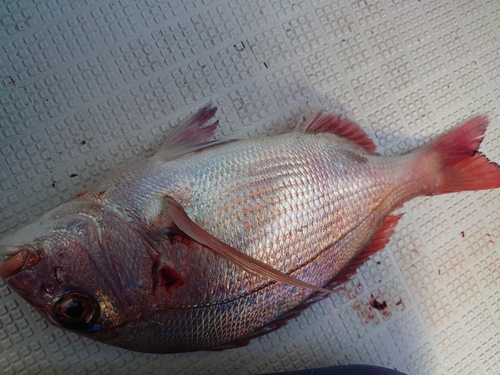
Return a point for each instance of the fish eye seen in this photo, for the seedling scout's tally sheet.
(77, 311)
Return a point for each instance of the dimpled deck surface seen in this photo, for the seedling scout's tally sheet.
(86, 86)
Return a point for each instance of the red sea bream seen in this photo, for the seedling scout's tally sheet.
(206, 245)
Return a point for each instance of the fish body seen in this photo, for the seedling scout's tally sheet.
(206, 247)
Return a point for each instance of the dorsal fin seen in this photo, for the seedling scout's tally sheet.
(323, 122)
(191, 136)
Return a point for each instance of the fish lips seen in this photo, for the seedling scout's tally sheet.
(25, 258)
(24, 272)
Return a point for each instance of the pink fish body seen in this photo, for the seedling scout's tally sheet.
(207, 245)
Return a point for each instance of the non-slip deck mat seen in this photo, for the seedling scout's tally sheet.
(86, 86)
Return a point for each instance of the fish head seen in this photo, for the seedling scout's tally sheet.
(84, 268)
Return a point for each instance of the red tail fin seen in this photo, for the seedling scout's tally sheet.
(463, 167)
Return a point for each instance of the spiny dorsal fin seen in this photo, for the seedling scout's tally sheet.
(323, 122)
(191, 136)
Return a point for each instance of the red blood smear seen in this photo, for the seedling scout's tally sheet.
(377, 305)
(170, 278)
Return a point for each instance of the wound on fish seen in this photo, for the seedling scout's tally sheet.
(168, 278)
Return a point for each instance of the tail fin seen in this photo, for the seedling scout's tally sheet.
(463, 167)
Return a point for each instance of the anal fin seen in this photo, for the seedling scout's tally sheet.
(377, 242)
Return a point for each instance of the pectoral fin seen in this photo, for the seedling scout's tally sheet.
(181, 220)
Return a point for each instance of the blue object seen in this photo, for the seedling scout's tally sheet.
(344, 370)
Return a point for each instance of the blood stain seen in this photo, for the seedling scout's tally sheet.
(359, 288)
(376, 304)
(400, 303)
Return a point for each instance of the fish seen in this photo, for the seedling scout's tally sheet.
(208, 244)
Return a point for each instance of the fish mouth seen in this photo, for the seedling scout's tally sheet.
(24, 258)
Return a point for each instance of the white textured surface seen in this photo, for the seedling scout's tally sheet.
(87, 85)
